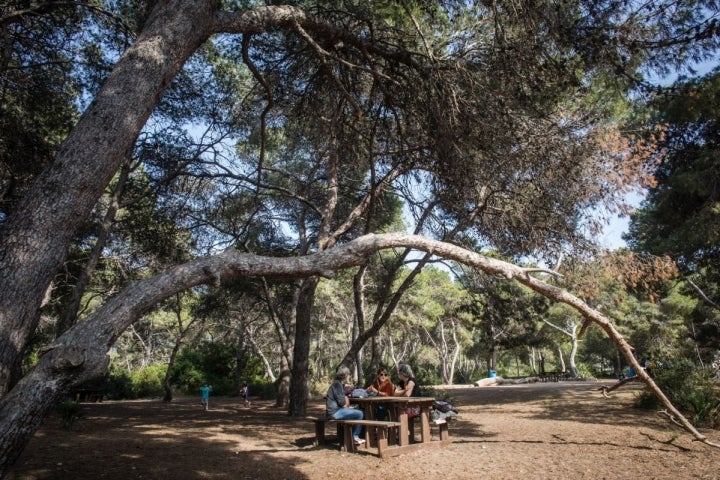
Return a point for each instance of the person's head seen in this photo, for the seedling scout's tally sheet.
(383, 374)
(405, 371)
(342, 373)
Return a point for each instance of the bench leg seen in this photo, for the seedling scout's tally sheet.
(348, 443)
(319, 433)
(444, 433)
(382, 440)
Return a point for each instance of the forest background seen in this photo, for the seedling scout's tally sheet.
(142, 139)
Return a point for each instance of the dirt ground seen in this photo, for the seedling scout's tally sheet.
(565, 430)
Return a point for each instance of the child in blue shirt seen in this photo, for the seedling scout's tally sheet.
(205, 395)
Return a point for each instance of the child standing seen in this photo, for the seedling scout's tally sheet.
(205, 395)
(245, 394)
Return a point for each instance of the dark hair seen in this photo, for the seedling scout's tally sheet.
(405, 369)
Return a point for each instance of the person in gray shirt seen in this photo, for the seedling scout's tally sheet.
(338, 404)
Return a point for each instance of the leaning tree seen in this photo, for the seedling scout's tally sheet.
(496, 109)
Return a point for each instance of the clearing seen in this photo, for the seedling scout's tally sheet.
(533, 431)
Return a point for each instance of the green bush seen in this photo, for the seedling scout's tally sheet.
(118, 385)
(69, 411)
(262, 388)
(694, 391)
(148, 381)
(584, 371)
(209, 362)
(320, 385)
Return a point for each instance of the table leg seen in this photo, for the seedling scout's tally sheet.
(369, 414)
(404, 431)
(393, 415)
(425, 422)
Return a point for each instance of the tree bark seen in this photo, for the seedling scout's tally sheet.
(71, 311)
(299, 389)
(36, 235)
(167, 386)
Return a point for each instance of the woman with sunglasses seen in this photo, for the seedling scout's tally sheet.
(383, 387)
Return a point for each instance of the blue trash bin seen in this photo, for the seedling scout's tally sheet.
(491, 374)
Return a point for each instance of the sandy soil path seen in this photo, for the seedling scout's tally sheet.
(564, 430)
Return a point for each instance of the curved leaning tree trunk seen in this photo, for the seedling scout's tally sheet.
(82, 352)
(35, 238)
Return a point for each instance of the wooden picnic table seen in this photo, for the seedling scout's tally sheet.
(397, 408)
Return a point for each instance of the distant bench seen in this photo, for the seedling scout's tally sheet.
(554, 376)
(377, 432)
(442, 424)
(87, 395)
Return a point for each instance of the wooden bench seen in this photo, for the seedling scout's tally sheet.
(376, 431)
(441, 423)
(553, 376)
(443, 428)
(320, 423)
(88, 395)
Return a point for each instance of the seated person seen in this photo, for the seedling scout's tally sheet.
(407, 386)
(383, 387)
(338, 404)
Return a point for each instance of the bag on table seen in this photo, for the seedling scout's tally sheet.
(358, 393)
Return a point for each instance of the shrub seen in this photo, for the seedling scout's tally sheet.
(694, 391)
(147, 381)
(69, 411)
(426, 376)
(262, 388)
(584, 371)
(209, 362)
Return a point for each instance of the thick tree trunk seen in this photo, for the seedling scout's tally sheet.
(286, 331)
(71, 311)
(36, 235)
(299, 390)
(168, 373)
(240, 356)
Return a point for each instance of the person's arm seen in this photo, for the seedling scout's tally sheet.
(405, 392)
(335, 395)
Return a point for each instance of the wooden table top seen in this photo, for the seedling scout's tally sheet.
(419, 401)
